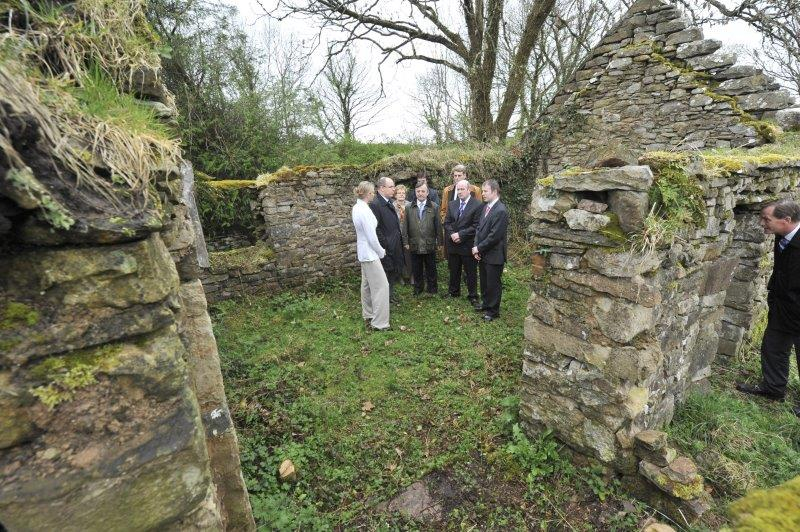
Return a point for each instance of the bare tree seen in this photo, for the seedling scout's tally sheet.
(348, 102)
(444, 104)
(778, 22)
(570, 32)
(424, 30)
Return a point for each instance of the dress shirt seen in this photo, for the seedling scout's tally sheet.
(367, 245)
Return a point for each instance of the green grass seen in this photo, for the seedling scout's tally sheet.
(99, 97)
(742, 443)
(363, 415)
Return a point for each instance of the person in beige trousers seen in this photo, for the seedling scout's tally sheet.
(374, 284)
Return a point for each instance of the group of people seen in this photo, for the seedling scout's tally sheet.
(397, 238)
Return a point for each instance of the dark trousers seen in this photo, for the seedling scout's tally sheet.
(424, 262)
(776, 348)
(393, 276)
(455, 263)
(491, 287)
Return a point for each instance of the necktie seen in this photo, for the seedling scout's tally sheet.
(420, 209)
(783, 243)
(486, 212)
(461, 209)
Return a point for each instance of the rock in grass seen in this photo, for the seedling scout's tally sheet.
(287, 471)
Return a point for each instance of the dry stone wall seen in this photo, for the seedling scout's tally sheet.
(309, 237)
(653, 83)
(114, 414)
(631, 306)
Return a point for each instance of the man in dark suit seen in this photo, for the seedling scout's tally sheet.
(388, 231)
(490, 249)
(782, 219)
(460, 226)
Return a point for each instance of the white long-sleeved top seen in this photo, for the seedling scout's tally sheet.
(367, 244)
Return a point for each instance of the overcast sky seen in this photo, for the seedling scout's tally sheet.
(400, 119)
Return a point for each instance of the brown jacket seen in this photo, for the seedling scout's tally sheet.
(447, 197)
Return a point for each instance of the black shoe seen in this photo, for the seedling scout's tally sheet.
(474, 301)
(489, 317)
(796, 410)
(373, 328)
(757, 389)
(447, 295)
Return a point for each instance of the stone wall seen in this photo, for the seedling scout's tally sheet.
(114, 411)
(618, 333)
(652, 83)
(635, 294)
(309, 237)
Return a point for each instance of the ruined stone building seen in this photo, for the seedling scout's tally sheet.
(109, 375)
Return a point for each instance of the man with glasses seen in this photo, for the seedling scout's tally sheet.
(389, 234)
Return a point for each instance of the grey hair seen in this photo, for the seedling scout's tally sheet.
(459, 168)
(382, 181)
(785, 208)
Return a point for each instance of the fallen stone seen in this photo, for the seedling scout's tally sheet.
(594, 207)
(416, 502)
(287, 471)
(622, 178)
(585, 221)
(662, 457)
(686, 491)
(765, 101)
(630, 207)
(789, 119)
(652, 440)
(693, 49)
(682, 470)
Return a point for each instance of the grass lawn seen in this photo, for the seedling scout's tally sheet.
(362, 415)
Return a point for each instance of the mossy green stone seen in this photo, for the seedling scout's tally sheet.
(775, 509)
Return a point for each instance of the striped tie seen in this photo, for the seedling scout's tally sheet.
(461, 209)
(783, 243)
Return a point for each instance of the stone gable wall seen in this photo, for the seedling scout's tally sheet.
(654, 83)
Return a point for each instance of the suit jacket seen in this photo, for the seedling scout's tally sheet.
(783, 298)
(466, 226)
(389, 235)
(447, 197)
(423, 234)
(490, 236)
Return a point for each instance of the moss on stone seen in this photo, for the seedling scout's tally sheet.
(250, 256)
(62, 375)
(613, 229)
(776, 508)
(548, 181)
(231, 183)
(16, 314)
